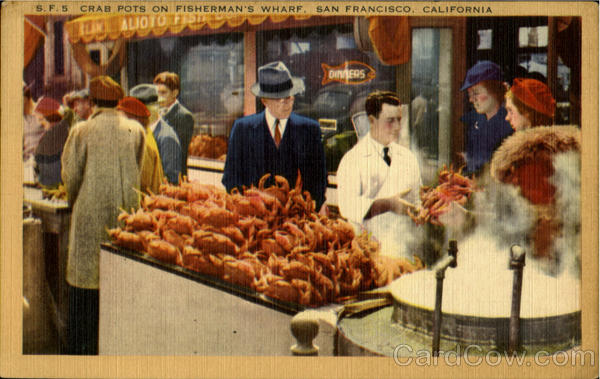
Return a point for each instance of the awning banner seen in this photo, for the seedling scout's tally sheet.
(95, 28)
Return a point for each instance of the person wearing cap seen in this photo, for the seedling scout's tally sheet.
(79, 102)
(152, 171)
(378, 175)
(526, 159)
(101, 166)
(276, 141)
(174, 113)
(486, 127)
(167, 141)
(50, 147)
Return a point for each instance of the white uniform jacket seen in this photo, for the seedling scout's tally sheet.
(363, 176)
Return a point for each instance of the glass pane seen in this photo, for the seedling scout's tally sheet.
(485, 39)
(431, 72)
(563, 104)
(211, 71)
(337, 79)
(214, 78)
(535, 65)
(533, 37)
(214, 89)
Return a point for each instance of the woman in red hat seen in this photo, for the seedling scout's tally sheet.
(152, 173)
(526, 159)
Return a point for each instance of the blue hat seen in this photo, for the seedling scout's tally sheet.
(275, 81)
(483, 70)
(146, 93)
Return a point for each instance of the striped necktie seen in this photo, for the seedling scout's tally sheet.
(277, 136)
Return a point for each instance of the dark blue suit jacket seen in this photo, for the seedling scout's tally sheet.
(252, 153)
(169, 150)
(181, 120)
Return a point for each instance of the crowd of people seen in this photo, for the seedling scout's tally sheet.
(102, 145)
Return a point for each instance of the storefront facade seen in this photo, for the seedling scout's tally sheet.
(340, 62)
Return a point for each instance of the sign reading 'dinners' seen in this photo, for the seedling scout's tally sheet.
(350, 72)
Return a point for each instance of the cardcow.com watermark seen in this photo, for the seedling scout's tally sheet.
(475, 355)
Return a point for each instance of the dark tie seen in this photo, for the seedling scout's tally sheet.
(386, 157)
(277, 133)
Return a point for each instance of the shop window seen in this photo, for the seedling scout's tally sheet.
(211, 71)
(99, 52)
(337, 78)
(534, 63)
(533, 36)
(95, 56)
(431, 75)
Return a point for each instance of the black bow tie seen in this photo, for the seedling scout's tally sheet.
(386, 157)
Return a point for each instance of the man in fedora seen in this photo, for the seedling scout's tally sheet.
(276, 141)
(80, 104)
(101, 164)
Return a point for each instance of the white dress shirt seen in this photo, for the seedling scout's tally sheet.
(363, 177)
(271, 123)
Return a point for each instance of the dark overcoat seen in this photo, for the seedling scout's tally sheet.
(252, 153)
(181, 120)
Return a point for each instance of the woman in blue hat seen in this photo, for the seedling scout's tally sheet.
(486, 126)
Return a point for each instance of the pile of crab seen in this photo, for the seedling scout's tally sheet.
(452, 188)
(267, 238)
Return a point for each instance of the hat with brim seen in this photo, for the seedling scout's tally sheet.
(49, 108)
(146, 93)
(276, 82)
(77, 95)
(483, 70)
(105, 88)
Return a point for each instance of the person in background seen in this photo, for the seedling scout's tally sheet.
(378, 175)
(166, 138)
(80, 104)
(525, 159)
(152, 170)
(32, 127)
(175, 114)
(276, 141)
(50, 147)
(486, 127)
(101, 166)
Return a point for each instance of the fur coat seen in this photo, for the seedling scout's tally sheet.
(525, 160)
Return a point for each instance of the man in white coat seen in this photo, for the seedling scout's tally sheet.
(378, 176)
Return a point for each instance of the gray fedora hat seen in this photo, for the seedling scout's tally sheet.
(146, 93)
(276, 82)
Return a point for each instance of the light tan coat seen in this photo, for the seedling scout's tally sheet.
(100, 168)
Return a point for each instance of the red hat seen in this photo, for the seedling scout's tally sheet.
(534, 94)
(133, 106)
(48, 107)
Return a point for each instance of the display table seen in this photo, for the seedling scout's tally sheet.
(55, 217)
(152, 308)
